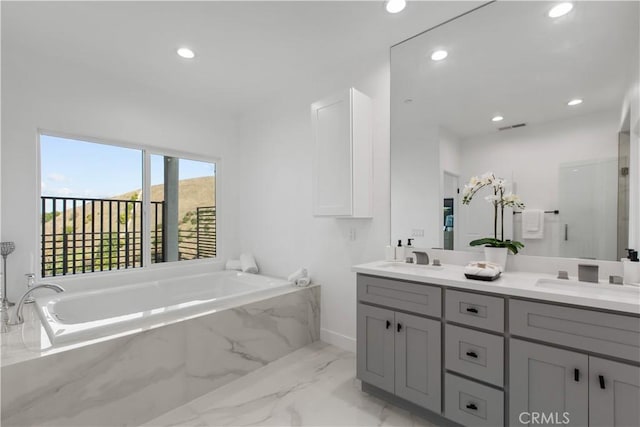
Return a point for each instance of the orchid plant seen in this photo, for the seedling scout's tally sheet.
(499, 199)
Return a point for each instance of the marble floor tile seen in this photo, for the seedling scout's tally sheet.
(314, 386)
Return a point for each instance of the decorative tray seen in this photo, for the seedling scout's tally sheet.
(483, 278)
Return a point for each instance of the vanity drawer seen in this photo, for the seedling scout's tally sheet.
(472, 404)
(413, 297)
(475, 354)
(481, 311)
(614, 334)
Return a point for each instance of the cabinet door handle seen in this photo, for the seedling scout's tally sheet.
(472, 310)
(601, 379)
(399, 327)
(388, 324)
(472, 354)
(576, 375)
(472, 406)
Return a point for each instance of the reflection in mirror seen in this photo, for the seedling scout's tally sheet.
(541, 102)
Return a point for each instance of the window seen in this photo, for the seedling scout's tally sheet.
(95, 215)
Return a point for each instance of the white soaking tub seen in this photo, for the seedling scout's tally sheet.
(75, 316)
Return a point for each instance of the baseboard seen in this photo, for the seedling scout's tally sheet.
(341, 341)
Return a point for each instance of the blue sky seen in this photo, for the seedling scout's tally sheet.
(73, 168)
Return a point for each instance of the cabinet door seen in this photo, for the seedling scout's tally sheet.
(332, 177)
(614, 394)
(375, 356)
(418, 361)
(547, 382)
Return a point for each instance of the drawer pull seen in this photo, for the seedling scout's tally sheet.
(388, 324)
(601, 378)
(472, 354)
(472, 310)
(399, 327)
(576, 375)
(472, 406)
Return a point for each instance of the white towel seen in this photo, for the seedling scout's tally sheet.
(299, 274)
(248, 263)
(482, 268)
(233, 264)
(532, 224)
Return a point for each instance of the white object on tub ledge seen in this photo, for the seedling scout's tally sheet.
(298, 274)
(233, 264)
(532, 224)
(248, 263)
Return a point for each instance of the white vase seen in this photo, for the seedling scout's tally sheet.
(496, 256)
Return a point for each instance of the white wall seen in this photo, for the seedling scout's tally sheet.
(42, 93)
(530, 157)
(276, 216)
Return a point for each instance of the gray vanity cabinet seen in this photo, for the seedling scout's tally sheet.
(400, 353)
(417, 351)
(547, 381)
(376, 349)
(614, 394)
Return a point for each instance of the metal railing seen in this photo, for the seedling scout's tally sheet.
(86, 235)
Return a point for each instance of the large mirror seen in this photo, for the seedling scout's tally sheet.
(541, 102)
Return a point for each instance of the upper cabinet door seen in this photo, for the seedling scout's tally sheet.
(418, 361)
(549, 381)
(614, 394)
(342, 155)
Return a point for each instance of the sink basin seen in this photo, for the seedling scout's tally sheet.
(403, 266)
(584, 288)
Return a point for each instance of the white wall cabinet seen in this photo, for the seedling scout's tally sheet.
(342, 155)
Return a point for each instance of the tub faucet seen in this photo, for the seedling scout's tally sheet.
(20, 306)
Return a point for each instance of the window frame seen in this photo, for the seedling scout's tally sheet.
(147, 151)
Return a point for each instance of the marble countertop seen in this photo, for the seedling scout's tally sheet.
(30, 341)
(624, 299)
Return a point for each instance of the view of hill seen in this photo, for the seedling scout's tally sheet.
(193, 193)
(108, 232)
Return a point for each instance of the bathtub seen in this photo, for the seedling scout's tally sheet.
(74, 316)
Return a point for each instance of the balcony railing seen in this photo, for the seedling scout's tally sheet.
(86, 235)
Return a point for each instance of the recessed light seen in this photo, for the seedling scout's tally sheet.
(573, 102)
(186, 53)
(497, 119)
(395, 6)
(439, 55)
(560, 10)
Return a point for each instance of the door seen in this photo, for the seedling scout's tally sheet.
(418, 364)
(547, 384)
(375, 356)
(614, 393)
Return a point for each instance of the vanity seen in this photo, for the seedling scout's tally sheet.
(507, 97)
(511, 352)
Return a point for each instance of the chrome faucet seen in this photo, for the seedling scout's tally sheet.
(19, 318)
(422, 258)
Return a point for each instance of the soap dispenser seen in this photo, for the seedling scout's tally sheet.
(408, 250)
(400, 251)
(631, 268)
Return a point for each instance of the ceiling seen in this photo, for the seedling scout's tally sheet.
(246, 52)
(511, 59)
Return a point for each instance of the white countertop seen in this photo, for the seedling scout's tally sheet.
(624, 299)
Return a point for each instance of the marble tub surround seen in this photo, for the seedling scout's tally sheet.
(313, 386)
(511, 283)
(30, 341)
(130, 379)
